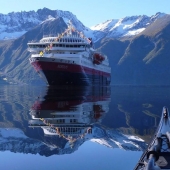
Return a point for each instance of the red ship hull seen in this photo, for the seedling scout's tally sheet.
(56, 73)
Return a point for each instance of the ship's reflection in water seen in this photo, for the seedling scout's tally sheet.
(86, 125)
(70, 117)
(70, 114)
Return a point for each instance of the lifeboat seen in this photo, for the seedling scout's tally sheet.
(98, 58)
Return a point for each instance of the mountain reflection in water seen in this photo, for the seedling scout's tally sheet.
(54, 121)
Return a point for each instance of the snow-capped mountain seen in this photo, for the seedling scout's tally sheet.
(14, 140)
(128, 26)
(114, 139)
(15, 24)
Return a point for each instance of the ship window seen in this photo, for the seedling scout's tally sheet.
(75, 45)
(67, 45)
(71, 45)
(60, 45)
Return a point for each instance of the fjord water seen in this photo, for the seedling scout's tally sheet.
(90, 128)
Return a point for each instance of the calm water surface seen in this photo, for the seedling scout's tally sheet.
(102, 128)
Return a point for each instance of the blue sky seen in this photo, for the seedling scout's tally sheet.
(91, 12)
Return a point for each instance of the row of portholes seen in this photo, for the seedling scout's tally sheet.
(59, 116)
(69, 129)
(61, 52)
(60, 45)
(70, 40)
(62, 61)
(62, 40)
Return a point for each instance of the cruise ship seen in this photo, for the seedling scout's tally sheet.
(69, 59)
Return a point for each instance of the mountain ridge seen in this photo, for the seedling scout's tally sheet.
(145, 60)
(14, 140)
(134, 60)
(15, 24)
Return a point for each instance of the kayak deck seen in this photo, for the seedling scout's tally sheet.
(157, 155)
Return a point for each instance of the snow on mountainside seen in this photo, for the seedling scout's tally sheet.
(128, 26)
(14, 140)
(15, 24)
(114, 139)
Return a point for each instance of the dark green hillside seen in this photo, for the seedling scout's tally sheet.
(113, 48)
(145, 59)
